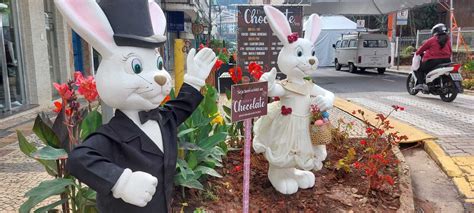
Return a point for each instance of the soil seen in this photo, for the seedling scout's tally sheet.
(334, 191)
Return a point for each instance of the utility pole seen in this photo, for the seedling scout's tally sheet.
(451, 15)
(210, 24)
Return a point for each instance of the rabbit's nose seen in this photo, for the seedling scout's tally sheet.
(312, 61)
(160, 80)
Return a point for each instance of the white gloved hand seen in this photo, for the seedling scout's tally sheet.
(199, 66)
(136, 188)
(270, 78)
(323, 103)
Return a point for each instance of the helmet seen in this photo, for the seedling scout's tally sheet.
(439, 29)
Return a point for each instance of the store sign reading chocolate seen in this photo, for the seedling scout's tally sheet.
(255, 39)
(248, 100)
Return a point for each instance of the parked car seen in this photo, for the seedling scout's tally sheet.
(362, 51)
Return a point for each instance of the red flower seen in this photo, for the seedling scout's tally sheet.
(255, 70)
(363, 142)
(87, 86)
(354, 112)
(380, 131)
(237, 169)
(217, 65)
(69, 112)
(276, 98)
(389, 180)
(357, 165)
(201, 46)
(64, 91)
(236, 74)
(368, 130)
(396, 108)
(285, 111)
(167, 98)
(58, 106)
(292, 37)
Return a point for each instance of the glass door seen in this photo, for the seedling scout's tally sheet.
(12, 94)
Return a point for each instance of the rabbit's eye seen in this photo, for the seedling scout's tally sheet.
(159, 63)
(299, 52)
(137, 66)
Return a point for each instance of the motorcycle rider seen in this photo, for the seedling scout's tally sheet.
(436, 50)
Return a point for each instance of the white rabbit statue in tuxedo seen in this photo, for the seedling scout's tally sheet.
(283, 134)
(131, 161)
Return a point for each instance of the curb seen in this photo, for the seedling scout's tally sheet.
(407, 201)
(451, 169)
(447, 163)
(397, 71)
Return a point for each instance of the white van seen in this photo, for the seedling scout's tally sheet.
(363, 51)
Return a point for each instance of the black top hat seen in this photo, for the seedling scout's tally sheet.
(131, 23)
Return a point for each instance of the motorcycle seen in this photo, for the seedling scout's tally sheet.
(444, 80)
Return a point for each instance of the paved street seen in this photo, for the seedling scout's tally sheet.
(452, 122)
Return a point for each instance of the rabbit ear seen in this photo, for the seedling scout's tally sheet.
(312, 28)
(158, 18)
(90, 22)
(278, 23)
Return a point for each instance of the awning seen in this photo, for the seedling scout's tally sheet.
(362, 7)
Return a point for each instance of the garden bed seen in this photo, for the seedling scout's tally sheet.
(335, 190)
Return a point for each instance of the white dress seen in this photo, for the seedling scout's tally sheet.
(285, 139)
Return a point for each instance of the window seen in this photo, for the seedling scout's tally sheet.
(352, 43)
(338, 44)
(344, 44)
(375, 43)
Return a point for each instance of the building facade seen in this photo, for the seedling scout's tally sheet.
(35, 53)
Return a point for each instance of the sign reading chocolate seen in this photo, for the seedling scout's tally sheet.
(255, 39)
(248, 100)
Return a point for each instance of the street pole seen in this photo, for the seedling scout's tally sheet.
(210, 24)
(451, 15)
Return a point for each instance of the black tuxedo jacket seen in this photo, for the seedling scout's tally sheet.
(101, 158)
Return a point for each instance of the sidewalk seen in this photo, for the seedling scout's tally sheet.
(405, 70)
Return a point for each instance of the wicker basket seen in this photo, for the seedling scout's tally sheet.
(321, 135)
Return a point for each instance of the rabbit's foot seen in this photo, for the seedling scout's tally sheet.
(305, 179)
(283, 180)
(320, 152)
(318, 165)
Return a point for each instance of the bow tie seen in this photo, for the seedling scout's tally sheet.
(150, 115)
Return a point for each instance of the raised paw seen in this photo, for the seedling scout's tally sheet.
(305, 179)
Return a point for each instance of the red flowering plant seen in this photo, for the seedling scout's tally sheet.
(374, 153)
(236, 74)
(72, 124)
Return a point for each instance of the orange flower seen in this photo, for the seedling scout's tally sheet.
(236, 74)
(64, 91)
(167, 98)
(87, 86)
(255, 70)
(58, 106)
(217, 65)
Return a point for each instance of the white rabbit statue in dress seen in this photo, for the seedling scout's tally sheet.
(131, 161)
(283, 134)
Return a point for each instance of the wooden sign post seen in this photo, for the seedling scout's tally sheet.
(248, 101)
